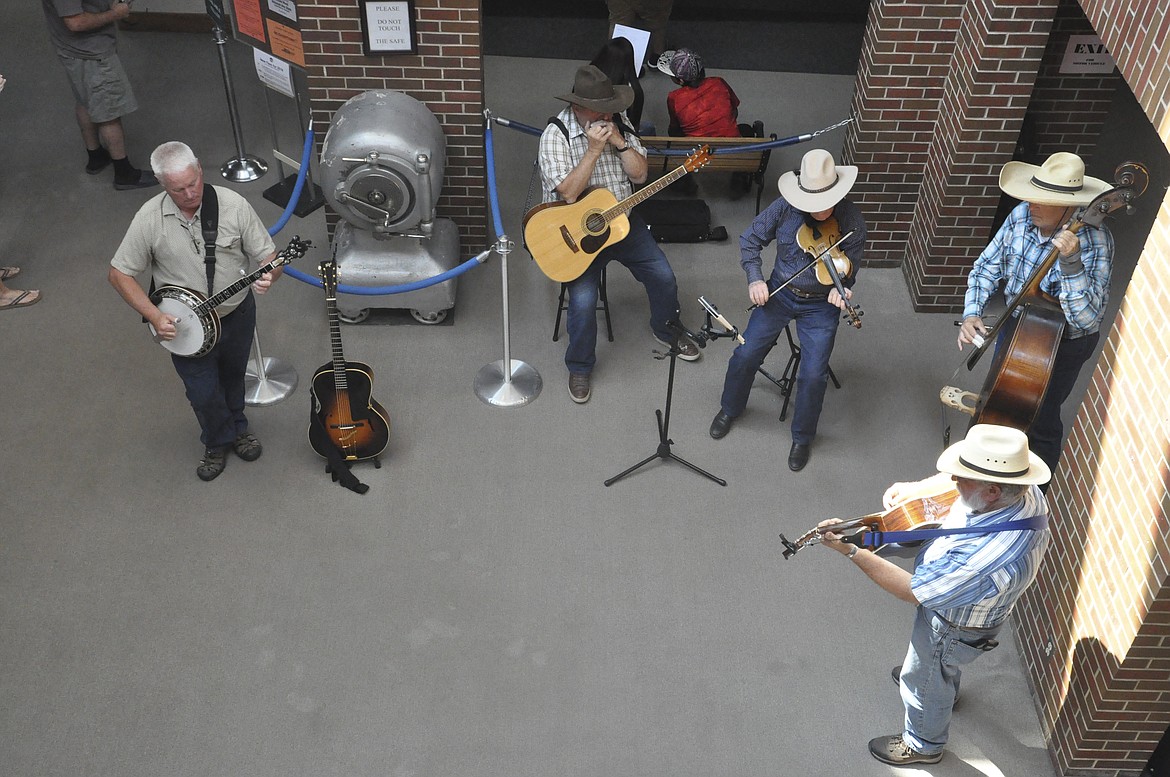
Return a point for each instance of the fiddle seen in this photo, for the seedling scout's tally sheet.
(822, 239)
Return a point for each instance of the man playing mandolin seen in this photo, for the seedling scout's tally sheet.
(1050, 195)
(963, 585)
(586, 146)
(812, 208)
(166, 239)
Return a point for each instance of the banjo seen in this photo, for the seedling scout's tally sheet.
(196, 322)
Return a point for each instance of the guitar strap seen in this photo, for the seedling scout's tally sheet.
(209, 225)
(875, 538)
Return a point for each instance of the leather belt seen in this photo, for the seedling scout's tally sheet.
(807, 294)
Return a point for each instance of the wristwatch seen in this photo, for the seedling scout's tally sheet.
(852, 553)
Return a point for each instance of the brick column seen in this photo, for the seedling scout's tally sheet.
(996, 58)
(906, 55)
(446, 75)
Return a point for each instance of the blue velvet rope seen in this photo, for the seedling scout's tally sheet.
(520, 126)
(374, 291)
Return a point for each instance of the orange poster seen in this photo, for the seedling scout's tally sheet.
(250, 19)
(286, 43)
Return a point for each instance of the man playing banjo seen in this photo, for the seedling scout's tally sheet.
(166, 238)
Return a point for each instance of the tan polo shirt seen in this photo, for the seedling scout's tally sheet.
(162, 241)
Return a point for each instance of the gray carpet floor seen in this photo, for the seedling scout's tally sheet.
(489, 607)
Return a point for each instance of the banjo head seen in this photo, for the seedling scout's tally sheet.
(196, 330)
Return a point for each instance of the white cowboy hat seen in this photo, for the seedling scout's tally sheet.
(819, 184)
(1061, 180)
(995, 454)
(592, 89)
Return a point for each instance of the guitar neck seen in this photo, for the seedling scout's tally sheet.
(645, 193)
(339, 380)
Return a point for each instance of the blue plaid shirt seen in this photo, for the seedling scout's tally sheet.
(780, 222)
(1014, 253)
(973, 581)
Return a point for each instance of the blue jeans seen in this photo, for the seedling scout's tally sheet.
(930, 677)
(646, 262)
(215, 381)
(816, 328)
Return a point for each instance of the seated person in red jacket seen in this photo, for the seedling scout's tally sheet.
(702, 106)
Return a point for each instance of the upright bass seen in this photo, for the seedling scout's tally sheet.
(1020, 372)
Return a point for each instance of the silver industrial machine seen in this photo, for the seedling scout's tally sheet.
(382, 171)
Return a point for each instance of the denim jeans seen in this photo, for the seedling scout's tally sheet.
(930, 676)
(646, 262)
(215, 381)
(816, 328)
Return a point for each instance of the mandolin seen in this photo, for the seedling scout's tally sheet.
(351, 420)
(565, 237)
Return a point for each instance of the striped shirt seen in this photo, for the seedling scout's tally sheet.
(559, 156)
(1016, 250)
(973, 581)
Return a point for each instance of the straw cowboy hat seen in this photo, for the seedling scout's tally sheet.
(592, 89)
(995, 454)
(1061, 180)
(819, 184)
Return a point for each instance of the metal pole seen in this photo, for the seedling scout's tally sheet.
(520, 383)
(243, 167)
(267, 380)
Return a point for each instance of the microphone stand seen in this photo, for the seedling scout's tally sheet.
(664, 442)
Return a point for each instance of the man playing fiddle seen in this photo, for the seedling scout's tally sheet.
(813, 197)
(1050, 194)
(964, 586)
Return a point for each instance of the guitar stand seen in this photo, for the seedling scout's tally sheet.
(664, 441)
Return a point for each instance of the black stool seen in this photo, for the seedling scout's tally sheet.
(787, 379)
(602, 304)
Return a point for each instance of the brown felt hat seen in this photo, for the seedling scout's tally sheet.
(592, 89)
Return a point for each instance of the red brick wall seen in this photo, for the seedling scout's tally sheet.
(1095, 628)
(446, 75)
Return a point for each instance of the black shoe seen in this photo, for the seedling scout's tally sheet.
(211, 464)
(247, 447)
(721, 425)
(140, 179)
(798, 456)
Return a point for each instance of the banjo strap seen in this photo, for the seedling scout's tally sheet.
(209, 225)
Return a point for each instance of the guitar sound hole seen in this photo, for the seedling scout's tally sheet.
(595, 223)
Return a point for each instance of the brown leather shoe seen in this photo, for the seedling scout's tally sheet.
(579, 387)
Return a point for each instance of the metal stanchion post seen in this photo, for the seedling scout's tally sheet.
(519, 383)
(243, 167)
(268, 380)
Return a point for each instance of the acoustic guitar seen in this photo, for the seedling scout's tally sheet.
(564, 238)
(351, 420)
(197, 324)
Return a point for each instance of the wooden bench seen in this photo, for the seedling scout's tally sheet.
(752, 163)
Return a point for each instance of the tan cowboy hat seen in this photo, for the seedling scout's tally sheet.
(995, 454)
(819, 184)
(1061, 180)
(592, 89)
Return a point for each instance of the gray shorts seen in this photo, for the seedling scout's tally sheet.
(101, 86)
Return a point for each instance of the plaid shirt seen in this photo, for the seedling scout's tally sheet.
(1014, 253)
(973, 581)
(558, 157)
